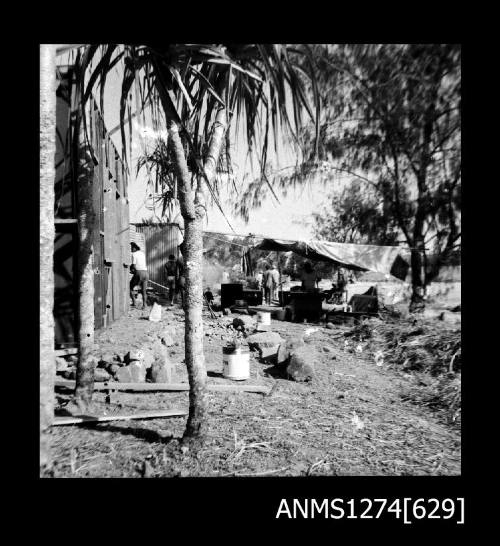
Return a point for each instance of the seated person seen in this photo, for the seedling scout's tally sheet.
(308, 278)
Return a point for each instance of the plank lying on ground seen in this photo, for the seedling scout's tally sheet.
(77, 419)
(175, 387)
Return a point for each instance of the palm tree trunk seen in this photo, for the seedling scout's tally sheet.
(192, 207)
(47, 176)
(86, 219)
(193, 304)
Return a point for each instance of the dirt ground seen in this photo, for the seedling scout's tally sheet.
(352, 419)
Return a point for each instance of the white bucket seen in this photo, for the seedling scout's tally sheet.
(263, 320)
(155, 315)
(236, 363)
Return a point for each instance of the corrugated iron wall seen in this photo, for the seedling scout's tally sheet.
(161, 241)
(111, 239)
(138, 238)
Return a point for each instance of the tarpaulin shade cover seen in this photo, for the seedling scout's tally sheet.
(388, 260)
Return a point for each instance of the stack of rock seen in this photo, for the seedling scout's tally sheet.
(137, 366)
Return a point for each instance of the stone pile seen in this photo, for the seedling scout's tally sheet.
(138, 365)
(292, 354)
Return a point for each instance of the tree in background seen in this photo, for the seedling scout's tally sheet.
(358, 216)
(393, 114)
(391, 119)
(197, 92)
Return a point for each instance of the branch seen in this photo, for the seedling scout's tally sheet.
(381, 115)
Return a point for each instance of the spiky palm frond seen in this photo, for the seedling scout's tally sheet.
(263, 86)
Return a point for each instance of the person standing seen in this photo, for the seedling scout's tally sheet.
(276, 280)
(140, 273)
(181, 278)
(268, 284)
(171, 271)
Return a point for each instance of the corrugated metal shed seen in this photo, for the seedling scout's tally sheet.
(161, 241)
(136, 237)
(111, 248)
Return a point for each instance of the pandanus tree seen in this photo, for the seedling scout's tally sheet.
(199, 93)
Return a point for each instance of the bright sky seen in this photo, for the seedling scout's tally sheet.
(291, 218)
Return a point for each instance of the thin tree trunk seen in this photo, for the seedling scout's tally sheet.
(192, 207)
(192, 203)
(86, 219)
(47, 178)
(193, 304)
(417, 302)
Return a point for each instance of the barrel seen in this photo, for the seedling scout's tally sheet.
(230, 292)
(236, 363)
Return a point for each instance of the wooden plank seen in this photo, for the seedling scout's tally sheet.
(78, 419)
(173, 387)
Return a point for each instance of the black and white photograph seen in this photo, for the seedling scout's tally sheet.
(250, 260)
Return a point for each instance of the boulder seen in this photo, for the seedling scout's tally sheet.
(226, 312)
(301, 367)
(244, 323)
(134, 354)
(101, 375)
(148, 358)
(112, 368)
(266, 343)
(159, 350)
(161, 371)
(330, 326)
(137, 371)
(124, 375)
(287, 348)
(105, 358)
(143, 355)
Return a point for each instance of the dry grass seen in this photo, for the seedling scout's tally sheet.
(429, 350)
(298, 430)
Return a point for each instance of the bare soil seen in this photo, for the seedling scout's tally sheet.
(352, 419)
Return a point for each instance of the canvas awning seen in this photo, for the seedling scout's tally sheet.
(389, 260)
